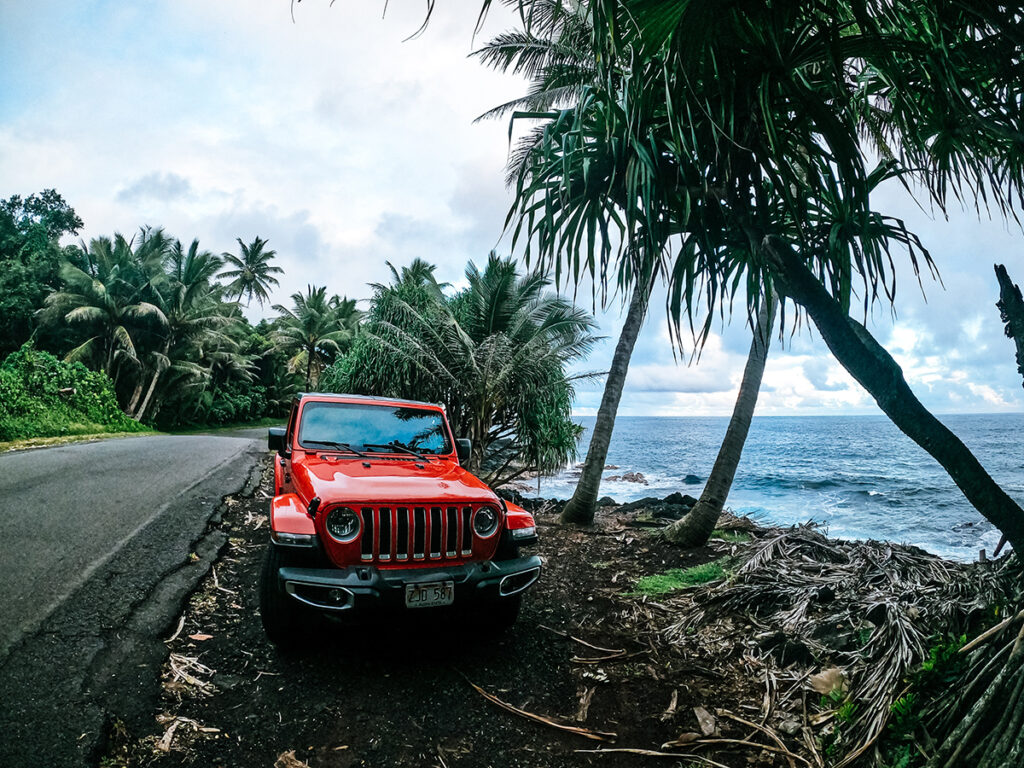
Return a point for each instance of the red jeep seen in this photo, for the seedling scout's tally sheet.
(373, 510)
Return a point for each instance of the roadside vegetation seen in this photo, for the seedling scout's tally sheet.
(157, 326)
(41, 396)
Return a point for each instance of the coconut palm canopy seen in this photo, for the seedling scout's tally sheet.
(150, 313)
(494, 353)
(252, 274)
(316, 329)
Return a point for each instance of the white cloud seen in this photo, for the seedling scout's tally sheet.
(344, 147)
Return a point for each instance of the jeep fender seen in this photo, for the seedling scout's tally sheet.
(288, 515)
(518, 517)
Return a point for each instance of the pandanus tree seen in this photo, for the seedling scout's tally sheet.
(554, 51)
(758, 117)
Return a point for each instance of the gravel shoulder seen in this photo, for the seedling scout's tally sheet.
(585, 654)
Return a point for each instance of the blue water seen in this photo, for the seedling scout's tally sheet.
(857, 475)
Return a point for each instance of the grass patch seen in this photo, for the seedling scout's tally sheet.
(733, 537)
(680, 578)
(85, 437)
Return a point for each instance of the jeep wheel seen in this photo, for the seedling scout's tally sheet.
(286, 623)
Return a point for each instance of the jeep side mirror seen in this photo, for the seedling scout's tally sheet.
(275, 439)
(463, 449)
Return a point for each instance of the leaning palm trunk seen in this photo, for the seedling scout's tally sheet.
(696, 527)
(882, 377)
(582, 505)
(149, 394)
(136, 394)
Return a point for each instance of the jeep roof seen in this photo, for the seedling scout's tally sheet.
(367, 398)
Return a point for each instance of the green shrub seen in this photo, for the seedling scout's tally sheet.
(41, 396)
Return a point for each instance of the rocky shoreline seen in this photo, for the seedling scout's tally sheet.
(669, 508)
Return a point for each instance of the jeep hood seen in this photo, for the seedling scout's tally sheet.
(387, 481)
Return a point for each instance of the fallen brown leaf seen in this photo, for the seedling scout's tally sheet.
(289, 760)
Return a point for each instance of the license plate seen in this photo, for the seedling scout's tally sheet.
(430, 594)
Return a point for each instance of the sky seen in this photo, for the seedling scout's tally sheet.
(347, 145)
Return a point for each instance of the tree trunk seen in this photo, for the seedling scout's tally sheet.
(136, 394)
(882, 377)
(309, 368)
(1011, 310)
(582, 505)
(695, 528)
(149, 394)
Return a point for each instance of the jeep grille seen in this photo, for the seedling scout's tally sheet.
(416, 533)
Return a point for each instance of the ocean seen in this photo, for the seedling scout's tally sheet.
(858, 476)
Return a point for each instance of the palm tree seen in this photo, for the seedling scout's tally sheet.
(696, 527)
(253, 274)
(107, 299)
(747, 138)
(195, 314)
(495, 354)
(316, 329)
(554, 52)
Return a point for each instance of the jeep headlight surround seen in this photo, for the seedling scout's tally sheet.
(485, 522)
(343, 524)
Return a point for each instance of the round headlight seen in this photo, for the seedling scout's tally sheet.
(342, 524)
(485, 522)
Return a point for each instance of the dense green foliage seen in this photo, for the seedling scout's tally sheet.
(150, 313)
(316, 330)
(30, 260)
(41, 396)
(161, 323)
(493, 353)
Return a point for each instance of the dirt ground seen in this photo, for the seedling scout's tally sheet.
(586, 653)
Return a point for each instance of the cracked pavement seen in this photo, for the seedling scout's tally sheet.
(96, 559)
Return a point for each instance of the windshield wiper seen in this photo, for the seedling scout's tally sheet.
(397, 446)
(337, 446)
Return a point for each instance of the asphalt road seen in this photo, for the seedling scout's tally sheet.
(95, 545)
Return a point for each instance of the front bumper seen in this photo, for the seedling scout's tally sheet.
(359, 588)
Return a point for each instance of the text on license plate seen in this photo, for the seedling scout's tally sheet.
(429, 594)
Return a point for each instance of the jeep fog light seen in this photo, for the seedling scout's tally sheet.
(342, 524)
(485, 522)
(524, 533)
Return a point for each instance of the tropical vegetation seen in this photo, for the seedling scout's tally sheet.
(750, 149)
(41, 396)
(316, 329)
(159, 319)
(495, 354)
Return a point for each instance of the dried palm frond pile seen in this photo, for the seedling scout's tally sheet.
(843, 627)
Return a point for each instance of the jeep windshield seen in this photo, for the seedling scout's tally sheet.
(355, 427)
